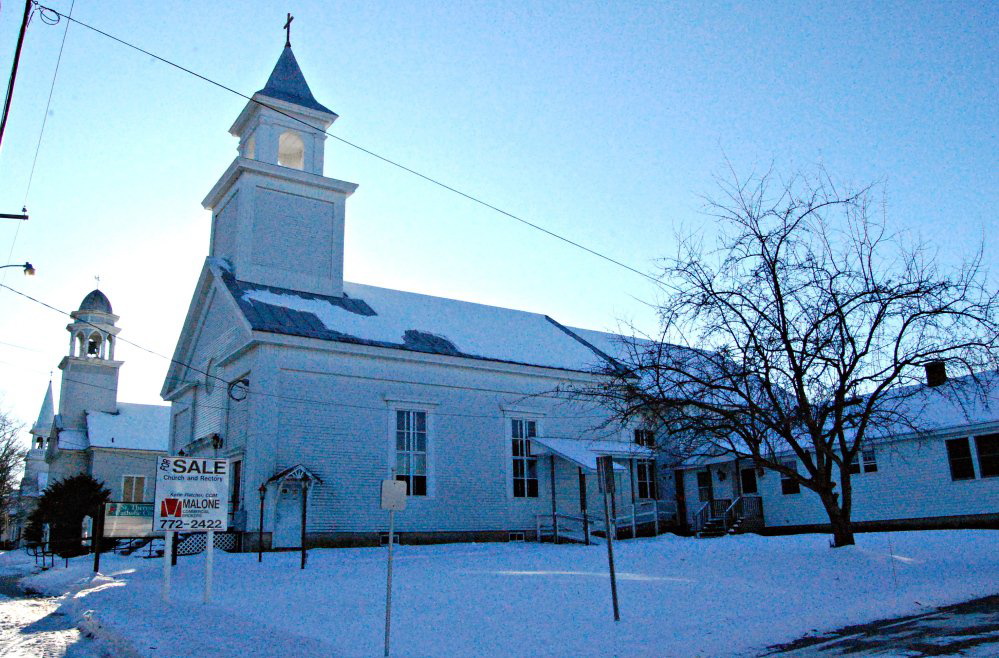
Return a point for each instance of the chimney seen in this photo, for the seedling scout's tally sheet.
(936, 373)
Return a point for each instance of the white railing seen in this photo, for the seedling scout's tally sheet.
(577, 527)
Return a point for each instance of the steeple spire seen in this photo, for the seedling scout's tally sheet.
(288, 84)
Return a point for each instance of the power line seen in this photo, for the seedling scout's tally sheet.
(466, 195)
(48, 103)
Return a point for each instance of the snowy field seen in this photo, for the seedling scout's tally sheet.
(679, 597)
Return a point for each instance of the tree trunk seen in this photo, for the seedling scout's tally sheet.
(839, 519)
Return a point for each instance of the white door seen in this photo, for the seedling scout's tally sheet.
(288, 516)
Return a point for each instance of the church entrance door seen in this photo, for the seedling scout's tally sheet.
(288, 516)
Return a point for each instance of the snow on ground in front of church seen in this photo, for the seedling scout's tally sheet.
(678, 596)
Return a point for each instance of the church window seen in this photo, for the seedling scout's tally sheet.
(291, 150)
(133, 488)
(411, 450)
(525, 464)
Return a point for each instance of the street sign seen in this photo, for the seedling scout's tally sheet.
(393, 495)
(191, 494)
(129, 520)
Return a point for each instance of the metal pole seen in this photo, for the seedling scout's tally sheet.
(610, 561)
(613, 502)
(167, 552)
(13, 71)
(209, 559)
(634, 505)
(305, 497)
(582, 506)
(260, 528)
(554, 506)
(388, 582)
(97, 533)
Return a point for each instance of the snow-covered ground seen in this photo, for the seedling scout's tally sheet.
(679, 597)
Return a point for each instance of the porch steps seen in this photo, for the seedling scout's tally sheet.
(713, 528)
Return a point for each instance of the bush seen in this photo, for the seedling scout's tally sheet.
(63, 505)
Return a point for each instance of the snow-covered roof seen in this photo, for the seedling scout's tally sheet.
(960, 401)
(73, 440)
(369, 315)
(134, 427)
(584, 452)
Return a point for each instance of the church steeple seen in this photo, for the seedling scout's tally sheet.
(284, 123)
(89, 371)
(276, 218)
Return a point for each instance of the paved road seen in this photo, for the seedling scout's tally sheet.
(32, 627)
(965, 629)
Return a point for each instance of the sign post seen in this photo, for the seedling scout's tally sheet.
(191, 494)
(605, 467)
(167, 552)
(393, 498)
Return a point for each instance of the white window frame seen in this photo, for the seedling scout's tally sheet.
(397, 405)
(793, 465)
(510, 414)
(865, 461)
(652, 480)
(134, 477)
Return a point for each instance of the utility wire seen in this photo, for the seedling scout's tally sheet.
(389, 161)
(45, 116)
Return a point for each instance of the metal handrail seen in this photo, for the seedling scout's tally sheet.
(701, 516)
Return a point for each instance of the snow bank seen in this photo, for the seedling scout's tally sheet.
(678, 596)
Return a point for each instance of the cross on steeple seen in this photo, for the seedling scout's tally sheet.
(97, 278)
(287, 29)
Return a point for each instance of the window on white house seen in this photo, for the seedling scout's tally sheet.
(133, 489)
(865, 462)
(788, 485)
(411, 450)
(988, 455)
(959, 455)
(525, 465)
(645, 438)
(647, 478)
(705, 489)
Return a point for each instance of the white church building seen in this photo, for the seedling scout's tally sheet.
(317, 389)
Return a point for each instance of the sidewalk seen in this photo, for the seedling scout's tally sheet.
(964, 629)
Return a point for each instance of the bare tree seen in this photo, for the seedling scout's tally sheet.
(803, 330)
(12, 452)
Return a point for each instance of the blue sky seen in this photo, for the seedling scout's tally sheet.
(605, 122)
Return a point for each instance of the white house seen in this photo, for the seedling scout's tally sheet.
(944, 475)
(115, 442)
(304, 380)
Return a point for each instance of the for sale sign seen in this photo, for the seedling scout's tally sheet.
(191, 494)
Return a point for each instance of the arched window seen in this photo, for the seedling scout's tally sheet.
(94, 346)
(291, 150)
(81, 345)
